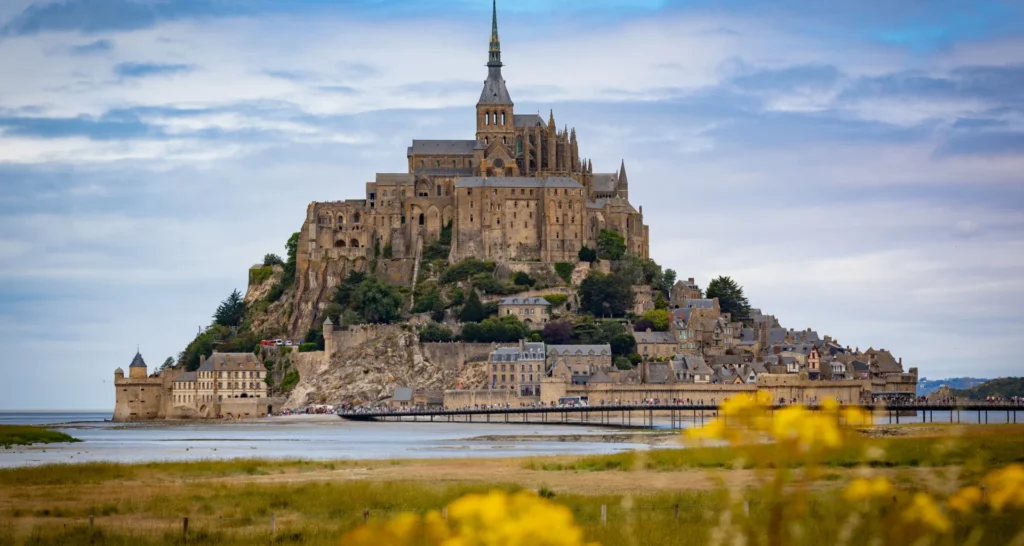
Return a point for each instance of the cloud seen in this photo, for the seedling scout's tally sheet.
(142, 70)
(97, 46)
(855, 165)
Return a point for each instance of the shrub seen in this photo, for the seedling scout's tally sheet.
(289, 380)
(388, 251)
(564, 270)
(270, 260)
(486, 283)
(556, 299)
(434, 332)
(466, 269)
(610, 245)
(493, 329)
(520, 278)
(623, 363)
(635, 358)
(658, 319)
(259, 275)
(307, 348)
(587, 254)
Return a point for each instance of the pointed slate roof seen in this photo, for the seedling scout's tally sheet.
(137, 362)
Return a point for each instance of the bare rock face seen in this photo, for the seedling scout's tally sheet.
(369, 371)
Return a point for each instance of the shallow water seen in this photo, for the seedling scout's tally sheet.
(319, 439)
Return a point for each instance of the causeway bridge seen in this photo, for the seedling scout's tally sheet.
(676, 415)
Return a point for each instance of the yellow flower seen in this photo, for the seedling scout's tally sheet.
(1005, 487)
(924, 510)
(492, 519)
(855, 417)
(862, 489)
(964, 500)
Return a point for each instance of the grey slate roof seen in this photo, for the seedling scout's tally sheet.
(137, 362)
(530, 351)
(523, 301)
(443, 147)
(226, 361)
(393, 178)
(494, 91)
(658, 373)
(605, 182)
(527, 120)
(654, 337)
(600, 377)
(516, 182)
(747, 336)
(444, 172)
(581, 349)
(699, 304)
(682, 314)
(402, 394)
(187, 377)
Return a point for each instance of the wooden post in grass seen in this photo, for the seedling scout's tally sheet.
(677, 512)
(366, 515)
(604, 514)
(273, 525)
(444, 513)
(90, 523)
(184, 526)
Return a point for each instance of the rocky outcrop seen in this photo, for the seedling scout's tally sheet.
(369, 370)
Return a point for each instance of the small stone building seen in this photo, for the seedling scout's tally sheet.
(655, 344)
(529, 310)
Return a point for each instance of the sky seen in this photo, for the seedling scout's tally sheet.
(856, 165)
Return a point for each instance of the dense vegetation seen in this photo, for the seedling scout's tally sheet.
(605, 295)
(1003, 387)
(20, 435)
(610, 245)
(730, 297)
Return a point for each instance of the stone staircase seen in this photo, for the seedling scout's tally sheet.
(416, 269)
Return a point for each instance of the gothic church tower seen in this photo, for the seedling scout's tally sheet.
(494, 121)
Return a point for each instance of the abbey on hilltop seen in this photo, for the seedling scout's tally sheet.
(517, 191)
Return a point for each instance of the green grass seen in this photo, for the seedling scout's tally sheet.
(976, 450)
(320, 513)
(20, 435)
(99, 472)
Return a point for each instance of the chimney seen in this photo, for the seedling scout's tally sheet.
(691, 280)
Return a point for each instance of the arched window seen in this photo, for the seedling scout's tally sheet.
(421, 219)
(355, 218)
(439, 190)
(354, 243)
(503, 118)
(487, 118)
(341, 220)
(339, 243)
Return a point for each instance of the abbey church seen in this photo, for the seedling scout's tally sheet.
(517, 191)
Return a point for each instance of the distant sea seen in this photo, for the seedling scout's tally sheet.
(52, 417)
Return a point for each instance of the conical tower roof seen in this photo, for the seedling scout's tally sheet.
(137, 362)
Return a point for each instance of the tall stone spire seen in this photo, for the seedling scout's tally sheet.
(494, 91)
(623, 189)
(494, 57)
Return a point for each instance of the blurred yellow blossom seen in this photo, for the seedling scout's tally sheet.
(492, 519)
(1005, 487)
(964, 500)
(924, 510)
(863, 489)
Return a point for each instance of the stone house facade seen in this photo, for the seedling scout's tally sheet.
(530, 310)
(518, 369)
(652, 345)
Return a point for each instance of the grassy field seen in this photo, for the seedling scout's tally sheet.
(974, 448)
(20, 435)
(313, 503)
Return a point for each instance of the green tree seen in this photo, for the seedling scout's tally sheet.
(622, 363)
(610, 245)
(343, 292)
(670, 279)
(564, 270)
(377, 301)
(623, 344)
(434, 332)
(167, 363)
(605, 295)
(557, 332)
(334, 311)
(520, 278)
(659, 301)
(472, 310)
(658, 318)
(587, 254)
(730, 297)
(272, 260)
(231, 311)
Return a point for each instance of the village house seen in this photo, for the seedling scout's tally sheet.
(529, 310)
(518, 368)
(652, 345)
(684, 290)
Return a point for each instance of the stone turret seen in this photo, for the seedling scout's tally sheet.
(328, 336)
(137, 369)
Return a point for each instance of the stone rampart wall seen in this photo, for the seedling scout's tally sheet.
(454, 356)
(454, 399)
